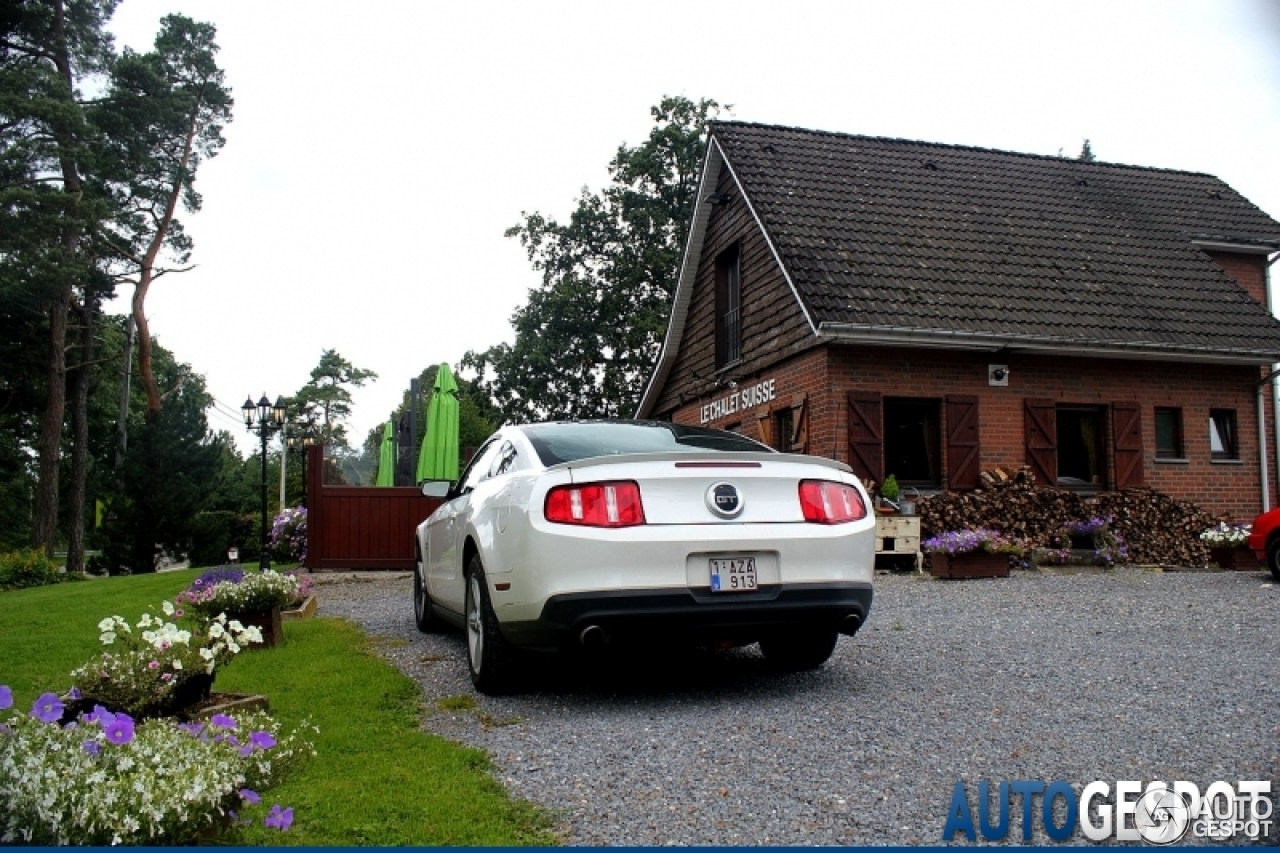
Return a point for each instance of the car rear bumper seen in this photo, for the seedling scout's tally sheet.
(692, 614)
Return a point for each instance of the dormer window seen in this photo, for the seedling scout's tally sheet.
(728, 308)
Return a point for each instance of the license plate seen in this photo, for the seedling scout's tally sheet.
(735, 574)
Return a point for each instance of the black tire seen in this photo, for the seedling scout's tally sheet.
(1273, 557)
(423, 616)
(489, 655)
(800, 648)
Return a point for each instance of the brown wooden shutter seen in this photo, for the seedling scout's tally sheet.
(1042, 440)
(963, 456)
(798, 441)
(765, 421)
(866, 435)
(1127, 419)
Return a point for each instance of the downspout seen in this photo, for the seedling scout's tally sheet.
(1275, 398)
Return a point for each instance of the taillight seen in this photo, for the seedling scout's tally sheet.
(825, 502)
(595, 505)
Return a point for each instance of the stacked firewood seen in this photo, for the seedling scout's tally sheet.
(1158, 529)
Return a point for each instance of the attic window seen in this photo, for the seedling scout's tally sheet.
(728, 308)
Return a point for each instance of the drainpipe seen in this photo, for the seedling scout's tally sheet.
(1275, 398)
(1262, 446)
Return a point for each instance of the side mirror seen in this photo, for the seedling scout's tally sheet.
(434, 488)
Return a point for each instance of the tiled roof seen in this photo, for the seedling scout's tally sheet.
(894, 234)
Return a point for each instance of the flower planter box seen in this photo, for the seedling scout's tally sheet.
(224, 703)
(305, 610)
(1236, 558)
(971, 564)
(268, 622)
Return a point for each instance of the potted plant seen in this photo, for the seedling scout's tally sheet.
(971, 553)
(1226, 543)
(157, 667)
(889, 492)
(255, 599)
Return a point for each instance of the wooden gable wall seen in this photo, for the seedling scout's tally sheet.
(773, 325)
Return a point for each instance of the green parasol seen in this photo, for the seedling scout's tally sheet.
(387, 457)
(438, 459)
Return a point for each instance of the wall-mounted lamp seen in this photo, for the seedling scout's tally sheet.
(717, 199)
(998, 375)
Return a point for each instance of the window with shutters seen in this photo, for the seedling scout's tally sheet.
(783, 421)
(1081, 446)
(1169, 433)
(1223, 441)
(728, 309)
(912, 441)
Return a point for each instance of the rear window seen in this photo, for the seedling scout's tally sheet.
(557, 443)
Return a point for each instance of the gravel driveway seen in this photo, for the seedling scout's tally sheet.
(1126, 674)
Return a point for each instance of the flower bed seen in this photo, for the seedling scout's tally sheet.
(104, 778)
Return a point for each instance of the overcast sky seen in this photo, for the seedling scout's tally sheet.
(379, 150)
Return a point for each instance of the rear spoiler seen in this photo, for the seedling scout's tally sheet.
(711, 455)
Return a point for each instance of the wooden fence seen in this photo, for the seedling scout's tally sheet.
(355, 527)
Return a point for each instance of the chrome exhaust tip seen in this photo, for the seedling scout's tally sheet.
(592, 637)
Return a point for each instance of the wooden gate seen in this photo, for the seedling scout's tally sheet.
(360, 527)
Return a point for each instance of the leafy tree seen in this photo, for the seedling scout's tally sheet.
(48, 49)
(590, 333)
(326, 398)
(1086, 153)
(161, 118)
(171, 471)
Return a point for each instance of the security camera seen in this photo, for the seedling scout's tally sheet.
(732, 384)
(998, 375)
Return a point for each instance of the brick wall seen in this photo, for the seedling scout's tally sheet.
(827, 373)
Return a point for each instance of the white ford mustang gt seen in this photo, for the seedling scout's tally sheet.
(583, 534)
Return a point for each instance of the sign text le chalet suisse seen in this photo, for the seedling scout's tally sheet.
(739, 400)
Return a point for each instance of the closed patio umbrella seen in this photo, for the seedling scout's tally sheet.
(438, 458)
(387, 457)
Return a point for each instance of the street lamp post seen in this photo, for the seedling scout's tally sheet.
(300, 441)
(269, 419)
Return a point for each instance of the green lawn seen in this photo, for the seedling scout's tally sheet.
(377, 778)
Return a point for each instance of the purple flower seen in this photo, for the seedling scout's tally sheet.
(280, 819)
(155, 664)
(250, 796)
(91, 747)
(48, 708)
(222, 721)
(74, 694)
(6, 697)
(262, 740)
(193, 729)
(246, 750)
(99, 715)
(120, 731)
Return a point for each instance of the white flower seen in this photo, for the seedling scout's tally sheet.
(145, 621)
(252, 634)
(107, 638)
(206, 654)
(177, 664)
(167, 607)
(233, 648)
(216, 631)
(235, 625)
(106, 624)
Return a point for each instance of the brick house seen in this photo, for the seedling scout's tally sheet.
(933, 311)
